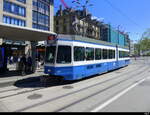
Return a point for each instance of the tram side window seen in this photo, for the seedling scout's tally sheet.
(123, 54)
(50, 54)
(126, 54)
(79, 53)
(120, 54)
(110, 54)
(113, 53)
(64, 55)
(105, 54)
(89, 54)
(98, 54)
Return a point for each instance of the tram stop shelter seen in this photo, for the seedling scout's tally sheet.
(13, 32)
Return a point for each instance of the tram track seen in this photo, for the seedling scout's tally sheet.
(23, 92)
(14, 89)
(96, 93)
(18, 93)
(91, 86)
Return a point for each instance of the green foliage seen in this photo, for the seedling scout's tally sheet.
(144, 44)
(137, 49)
(146, 34)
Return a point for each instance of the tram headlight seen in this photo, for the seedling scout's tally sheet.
(49, 70)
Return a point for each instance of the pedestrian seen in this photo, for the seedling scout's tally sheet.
(135, 57)
(23, 63)
(11, 60)
(29, 64)
(38, 62)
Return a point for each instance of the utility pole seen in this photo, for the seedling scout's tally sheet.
(118, 35)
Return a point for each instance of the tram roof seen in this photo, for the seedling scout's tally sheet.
(89, 40)
(13, 32)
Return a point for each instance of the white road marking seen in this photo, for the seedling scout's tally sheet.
(117, 96)
(148, 78)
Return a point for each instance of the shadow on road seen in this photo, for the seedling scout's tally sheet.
(12, 73)
(34, 82)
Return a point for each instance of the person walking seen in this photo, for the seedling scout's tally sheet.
(23, 63)
(29, 64)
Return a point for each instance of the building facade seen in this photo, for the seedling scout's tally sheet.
(114, 36)
(37, 14)
(105, 32)
(80, 22)
(76, 22)
(28, 13)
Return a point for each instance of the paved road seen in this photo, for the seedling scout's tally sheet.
(123, 90)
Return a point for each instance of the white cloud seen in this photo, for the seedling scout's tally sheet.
(99, 19)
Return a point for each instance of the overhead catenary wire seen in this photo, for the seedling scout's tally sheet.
(123, 14)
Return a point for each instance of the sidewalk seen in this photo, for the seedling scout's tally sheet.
(12, 76)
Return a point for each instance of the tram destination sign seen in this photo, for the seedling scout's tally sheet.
(51, 39)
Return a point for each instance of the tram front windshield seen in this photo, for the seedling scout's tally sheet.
(50, 54)
(63, 54)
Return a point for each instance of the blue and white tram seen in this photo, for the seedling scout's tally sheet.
(73, 60)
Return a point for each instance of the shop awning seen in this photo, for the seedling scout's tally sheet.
(13, 32)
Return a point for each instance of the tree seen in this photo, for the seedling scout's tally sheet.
(143, 46)
(137, 49)
(146, 34)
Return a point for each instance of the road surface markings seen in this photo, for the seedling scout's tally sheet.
(117, 96)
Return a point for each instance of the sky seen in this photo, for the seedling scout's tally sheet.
(132, 16)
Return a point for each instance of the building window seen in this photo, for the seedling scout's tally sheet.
(64, 29)
(34, 17)
(14, 21)
(57, 29)
(37, 26)
(41, 7)
(23, 1)
(57, 22)
(14, 9)
(40, 15)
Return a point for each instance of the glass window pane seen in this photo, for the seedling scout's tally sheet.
(98, 54)
(105, 54)
(110, 54)
(89, 54)
(64, 55)
(79, 53)
(50, 54)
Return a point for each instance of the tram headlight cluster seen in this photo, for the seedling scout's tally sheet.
(49, 70)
